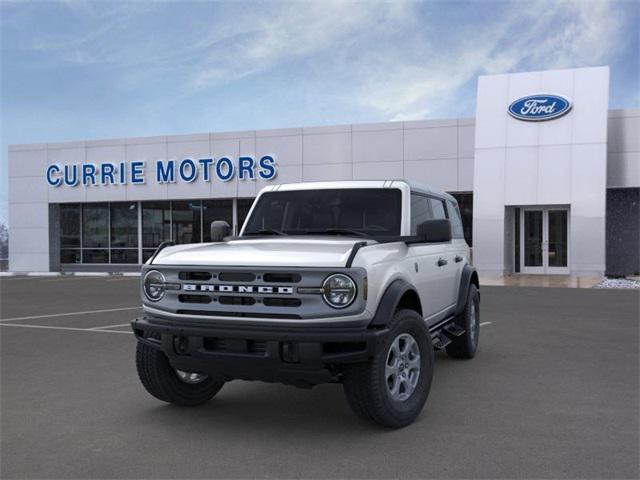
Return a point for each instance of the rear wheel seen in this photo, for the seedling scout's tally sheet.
(392, 387)
(165, 383)
(466, 345)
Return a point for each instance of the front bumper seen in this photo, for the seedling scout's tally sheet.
(269, 353)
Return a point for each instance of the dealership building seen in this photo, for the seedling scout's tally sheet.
(546, 175)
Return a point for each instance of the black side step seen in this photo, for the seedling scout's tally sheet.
(440, 340)
(443, 331)
(454, 329)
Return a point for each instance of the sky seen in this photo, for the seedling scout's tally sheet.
(76, 70)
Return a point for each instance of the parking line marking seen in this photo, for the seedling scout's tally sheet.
(71, 278)
(110, 326)
(47, 327)
(485, 323)
(88, 312)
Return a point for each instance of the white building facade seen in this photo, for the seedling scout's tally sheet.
(547, 177)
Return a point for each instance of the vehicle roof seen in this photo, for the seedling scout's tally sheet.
(391, 183)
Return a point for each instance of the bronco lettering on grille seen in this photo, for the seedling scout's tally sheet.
(263, 289)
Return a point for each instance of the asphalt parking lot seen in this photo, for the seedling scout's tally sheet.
(552, 393)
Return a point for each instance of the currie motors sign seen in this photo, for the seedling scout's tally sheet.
(187, 170)
(540, 107)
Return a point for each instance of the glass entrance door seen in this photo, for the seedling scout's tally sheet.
(544, 240)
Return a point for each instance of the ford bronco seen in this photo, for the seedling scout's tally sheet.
(347, 282)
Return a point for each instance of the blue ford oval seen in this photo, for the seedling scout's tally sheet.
(536, 108)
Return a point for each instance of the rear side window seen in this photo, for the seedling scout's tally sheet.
(420, 211)
(437, 208)
(456, 221)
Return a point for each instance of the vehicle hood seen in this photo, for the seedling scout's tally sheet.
(272, 252)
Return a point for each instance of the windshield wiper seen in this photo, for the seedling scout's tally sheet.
(266, 231)
(336, 231)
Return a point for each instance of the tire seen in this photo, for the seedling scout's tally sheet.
(162, 381)
(466, 345)
(367, 385)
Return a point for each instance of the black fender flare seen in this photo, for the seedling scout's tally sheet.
(389, 302)
(468, 276)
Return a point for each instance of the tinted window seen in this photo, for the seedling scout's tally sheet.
(124, 225)
(456, 222)
(437, 208)
(420, 211)
(69, 226)
(156, 223)
(95, 226)
(375, 212)
(186, 221)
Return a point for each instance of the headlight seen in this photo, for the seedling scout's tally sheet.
(339, 290)
(154, 285)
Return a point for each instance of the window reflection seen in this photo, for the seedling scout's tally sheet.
(185, 221)
(156, 223)
(95, 225)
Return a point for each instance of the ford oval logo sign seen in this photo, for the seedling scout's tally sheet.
(536, 108)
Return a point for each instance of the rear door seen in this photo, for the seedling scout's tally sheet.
(427, 273)
(449, 270)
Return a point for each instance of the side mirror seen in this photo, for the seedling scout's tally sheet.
(434, 231)
(219, 230)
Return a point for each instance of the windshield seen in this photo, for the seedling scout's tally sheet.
(357, 211)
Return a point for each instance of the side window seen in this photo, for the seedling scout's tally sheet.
(456, 222)
(437, 207)
(420, 211)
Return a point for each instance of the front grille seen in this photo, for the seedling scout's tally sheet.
(279, 293)
(229, 300)
(282, 302)
(195, 276)
(236, 277)
(282, 277)
(194, 298)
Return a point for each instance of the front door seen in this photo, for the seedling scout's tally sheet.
(544, 240)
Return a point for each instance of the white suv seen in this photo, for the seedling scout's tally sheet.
(349, 282)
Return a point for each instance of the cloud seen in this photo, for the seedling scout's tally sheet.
(296, 30)
(401, 60)
(535, 35)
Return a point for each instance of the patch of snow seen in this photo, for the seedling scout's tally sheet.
(624, 283)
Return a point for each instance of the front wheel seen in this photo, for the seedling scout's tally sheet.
(392, 387)
(165, 383)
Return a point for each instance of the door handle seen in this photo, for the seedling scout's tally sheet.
(442, 262)
(458, 259)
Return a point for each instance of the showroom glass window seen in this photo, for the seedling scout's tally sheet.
(215, 210)
(186, 221)
(70, 233)
(124, 232)
(156, 226)
(95, 233)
